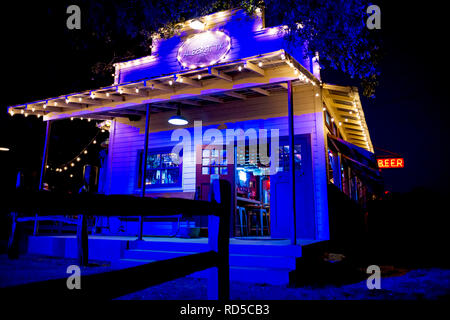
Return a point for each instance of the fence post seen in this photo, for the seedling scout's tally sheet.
(219, 241)
(13, 241)
(82, 240)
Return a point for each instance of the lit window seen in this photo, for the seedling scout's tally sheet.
(164, 169)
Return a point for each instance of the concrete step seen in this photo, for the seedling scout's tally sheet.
(260, 275)
(267, 250)
(245, 260)
(201, 246)
(170, 245)
(128, 263)
(154, 254)
(240, 260)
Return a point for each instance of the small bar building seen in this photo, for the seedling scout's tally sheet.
(222, 75)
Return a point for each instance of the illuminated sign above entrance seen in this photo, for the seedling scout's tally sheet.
(386, 163)
(204, 49)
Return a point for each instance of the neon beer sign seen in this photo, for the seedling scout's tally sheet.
(387, 163)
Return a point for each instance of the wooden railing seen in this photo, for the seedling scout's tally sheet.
(113, 284)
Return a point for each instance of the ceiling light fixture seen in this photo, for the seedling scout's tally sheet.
(178, 119)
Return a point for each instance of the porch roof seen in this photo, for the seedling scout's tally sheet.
(234, 80)
(222, 82)
(344, 105)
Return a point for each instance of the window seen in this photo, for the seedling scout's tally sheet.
(214, 161)
(284, 158)
(164, 169)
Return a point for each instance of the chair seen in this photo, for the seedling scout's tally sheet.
(243, 221)
(263, 212)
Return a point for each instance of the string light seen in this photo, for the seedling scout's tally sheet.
(199, 77)
(260, 64)
(240, 68)
(85, 151)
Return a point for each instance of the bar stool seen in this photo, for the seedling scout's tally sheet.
(243, 220)
(263, 212)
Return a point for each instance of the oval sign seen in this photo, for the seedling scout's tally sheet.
(204, 49)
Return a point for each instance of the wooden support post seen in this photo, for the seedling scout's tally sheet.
(45, 155)
(144, 166)
(82, 240)
(291, 158)
(219, 241)
(43, 170)
(13, 241)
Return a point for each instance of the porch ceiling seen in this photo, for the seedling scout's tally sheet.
(344, 106)
(236, 80)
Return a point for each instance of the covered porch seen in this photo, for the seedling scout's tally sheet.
(192, 92)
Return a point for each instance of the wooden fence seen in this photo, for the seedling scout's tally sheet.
(113, 284)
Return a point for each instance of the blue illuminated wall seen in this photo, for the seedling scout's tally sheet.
(127, 138)
(248, 39)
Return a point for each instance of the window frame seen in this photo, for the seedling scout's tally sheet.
(155, 151)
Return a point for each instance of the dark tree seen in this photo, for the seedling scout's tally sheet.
(336, 29)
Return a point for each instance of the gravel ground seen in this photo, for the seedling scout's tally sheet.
(430, 283)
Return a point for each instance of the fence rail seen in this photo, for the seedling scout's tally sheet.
(114, 284)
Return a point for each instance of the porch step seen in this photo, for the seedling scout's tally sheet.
(255, 262)
(200, 245)
(260, 275)
(240, 260)
(155, 255)
(169, 245)
(128, 263)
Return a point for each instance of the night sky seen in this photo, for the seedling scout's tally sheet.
(409, 116)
